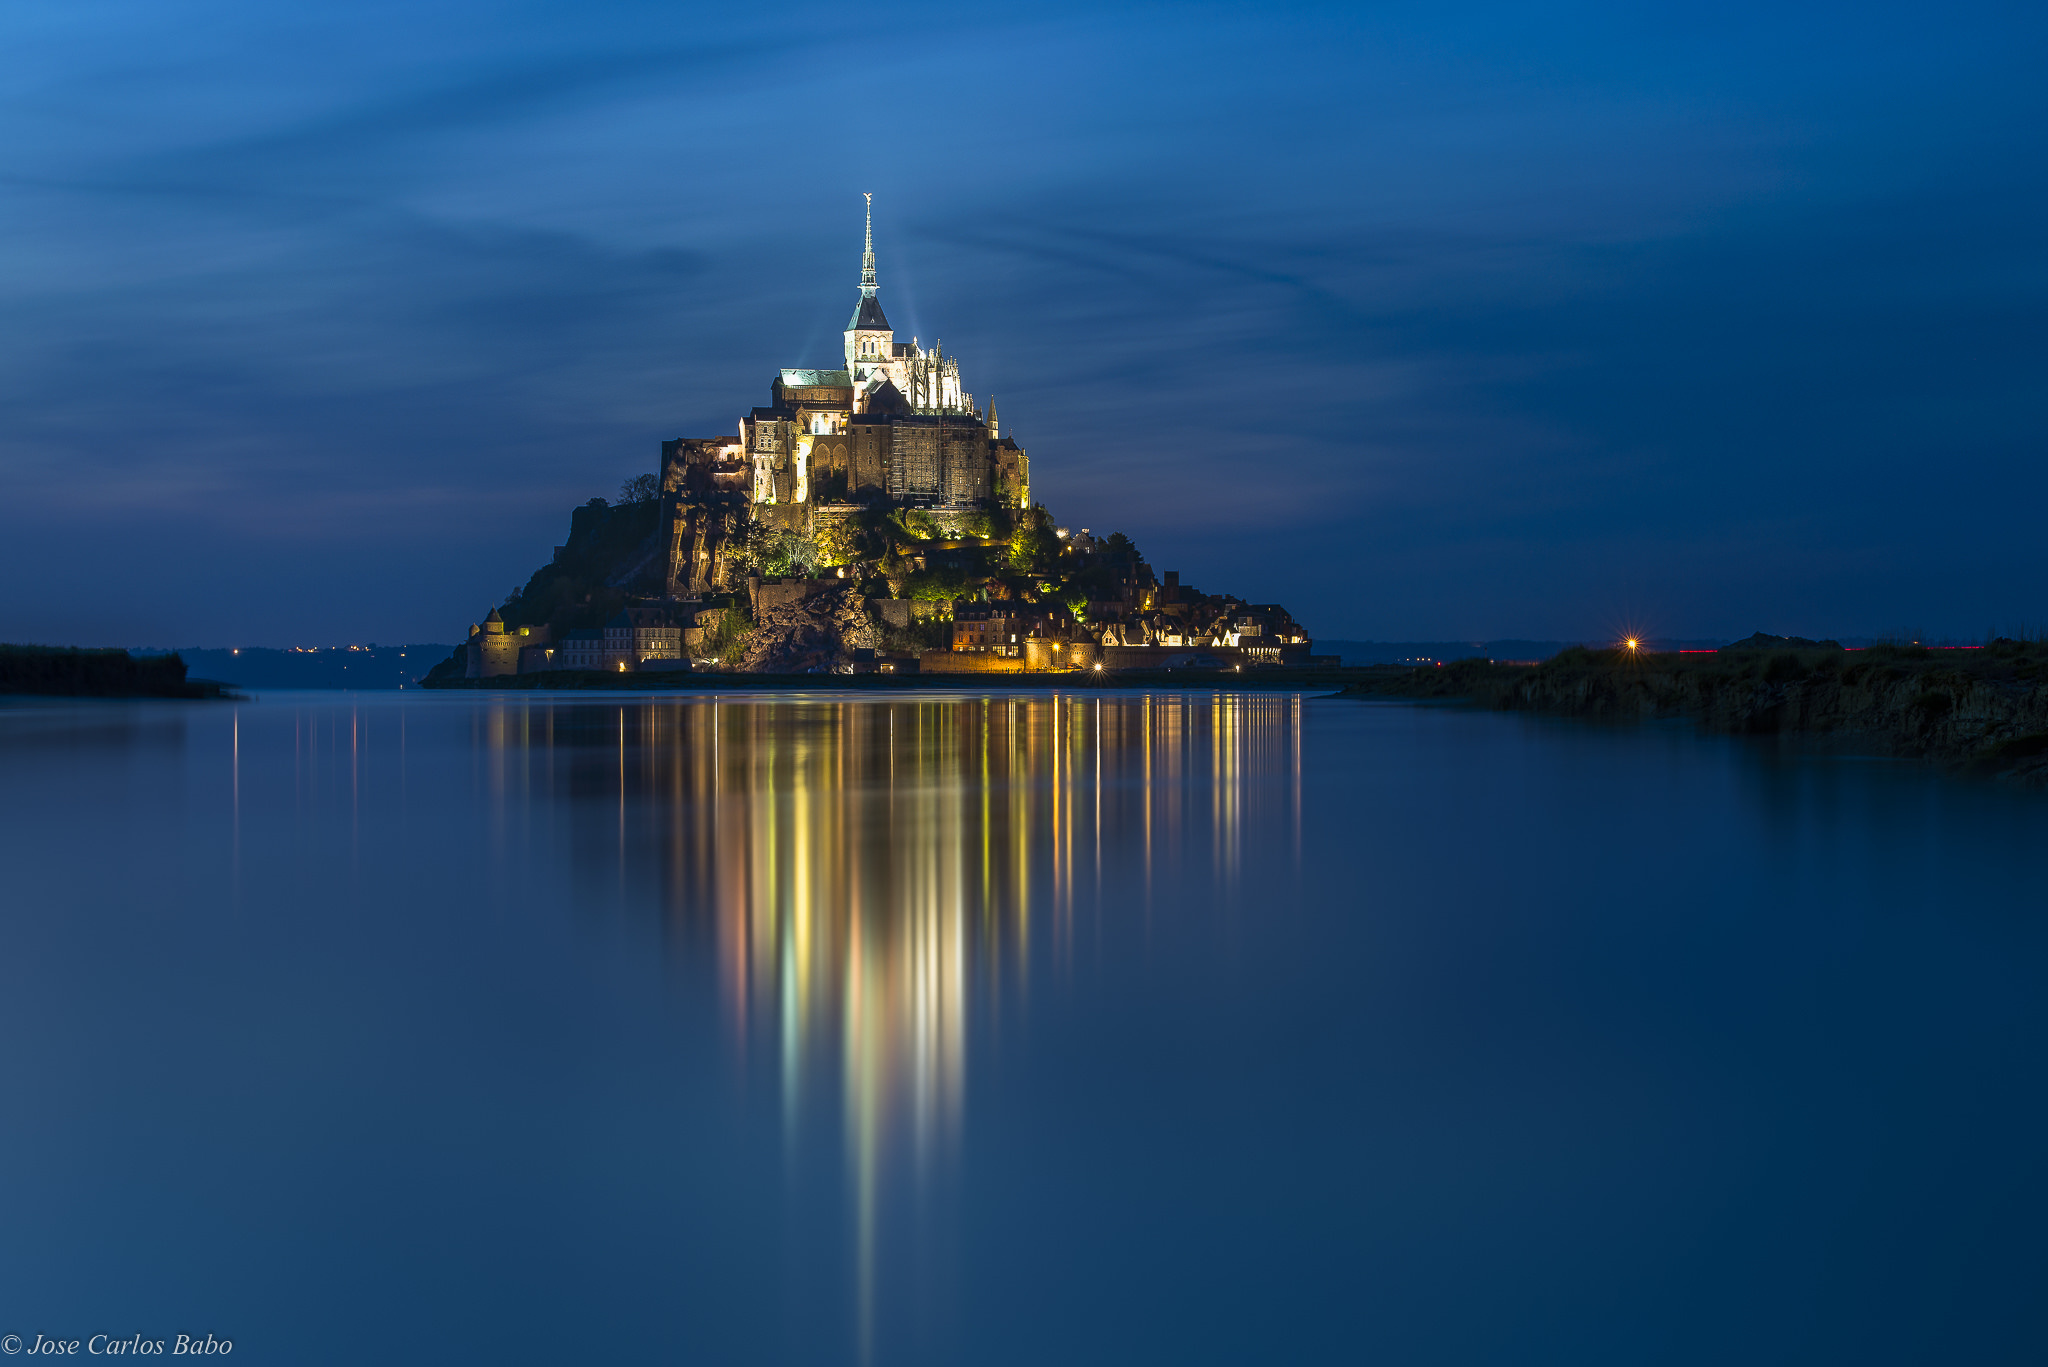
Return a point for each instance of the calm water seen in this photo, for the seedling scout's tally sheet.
(1026, 1029)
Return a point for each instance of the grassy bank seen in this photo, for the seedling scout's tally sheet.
(1985, 709)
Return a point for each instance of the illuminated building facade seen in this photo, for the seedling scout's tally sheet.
(893, 422)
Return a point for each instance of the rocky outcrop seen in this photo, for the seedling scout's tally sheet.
(1985, 710)
(815, 633)
(702, 538)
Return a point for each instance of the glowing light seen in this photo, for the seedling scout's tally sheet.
(1631, 643)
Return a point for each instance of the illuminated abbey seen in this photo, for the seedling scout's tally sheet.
(869, 517)
(893, 423)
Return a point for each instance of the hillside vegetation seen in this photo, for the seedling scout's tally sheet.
(1985, 709)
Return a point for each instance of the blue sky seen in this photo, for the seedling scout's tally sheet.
(1430, 321)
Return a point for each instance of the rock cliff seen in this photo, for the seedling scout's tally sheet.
(815, 633)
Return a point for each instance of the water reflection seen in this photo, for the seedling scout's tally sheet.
(875, 873)
(972, 1030)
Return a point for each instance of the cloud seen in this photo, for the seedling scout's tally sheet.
(1435, 334)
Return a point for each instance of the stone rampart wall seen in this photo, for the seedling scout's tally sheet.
(768, 594)
(901, 612)
(961, 662)
(1167, 657)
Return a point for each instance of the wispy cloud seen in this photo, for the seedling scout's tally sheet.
(1383, 298)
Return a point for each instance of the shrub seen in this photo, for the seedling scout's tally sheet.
(727, 641)
(930, 633)
(937, 586)
(1784, 668)
(773, 552)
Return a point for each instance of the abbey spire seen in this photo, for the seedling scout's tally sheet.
(867, 259)
(870, 341)
(867, 313)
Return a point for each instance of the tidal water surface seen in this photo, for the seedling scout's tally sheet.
(1026, 1028)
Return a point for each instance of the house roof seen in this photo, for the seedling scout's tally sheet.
(840, 378)
(887, 399)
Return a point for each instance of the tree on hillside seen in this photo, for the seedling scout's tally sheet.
(773, 552)
(919, 523)
(1034, 546)
(842, 541)
(639, 489)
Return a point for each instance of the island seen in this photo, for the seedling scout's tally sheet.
(872, 519)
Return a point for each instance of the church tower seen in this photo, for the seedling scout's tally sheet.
(870, 341)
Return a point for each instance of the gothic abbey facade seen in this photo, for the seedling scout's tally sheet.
(893, 425)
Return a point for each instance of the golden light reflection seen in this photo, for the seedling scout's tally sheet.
(878, 875)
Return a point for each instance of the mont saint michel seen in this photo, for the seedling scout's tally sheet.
(870, 518)
(893, 882)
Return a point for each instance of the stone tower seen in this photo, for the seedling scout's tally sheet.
(870, 341)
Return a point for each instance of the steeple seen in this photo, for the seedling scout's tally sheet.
(867, 314)
(867, 259)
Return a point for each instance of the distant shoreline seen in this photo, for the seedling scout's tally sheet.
(1982, 709)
